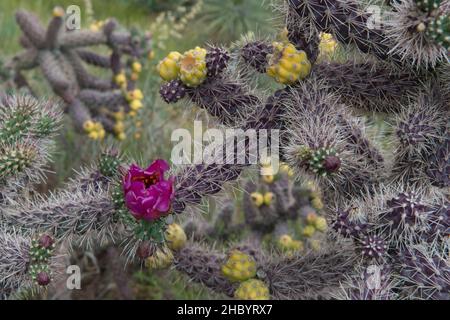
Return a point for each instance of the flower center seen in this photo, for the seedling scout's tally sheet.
(148, 181)
(188, 63)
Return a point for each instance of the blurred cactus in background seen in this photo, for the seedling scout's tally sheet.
(96, 105)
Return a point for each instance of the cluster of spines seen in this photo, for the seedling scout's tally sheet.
(425, 275)
(26, 128)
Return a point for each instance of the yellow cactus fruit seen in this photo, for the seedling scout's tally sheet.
(119, 127)
(98, 126)
(151, 55)
(311, 218)
(289, 245)
(321, 224)
(137, 136)
(175, 236)
(239, 266)
(268, 197)
(136, 94)
(162, 258)
(136, 67)
(88, 126)
(252, 289)
(120, 79)
(287, 65)
(94, 135)
(317, 203)
(257, 199)
(308, 231)
(58, 12)
(138, 124)
(284, 242)
(132, 113)
(135, 105)
(101, 134)
(168, 67)
(121, 136)
(327, 43)
(193, 69)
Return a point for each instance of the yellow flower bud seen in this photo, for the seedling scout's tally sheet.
(119, 127)
(321, 224)
(252, 289)
(288, 65)
(58, 12)
(93, 135)
(257, 199)
(239, 266)
(136, 67)
(101, 134)
(137, 93)
(308, 231)
(119, 115)
(311, 217)
(268, 178)
(175, 236)
(193, 69)
(268, 197)
(120, 79)
(88, 126)
(168, 68)
(121, 136)
(135, 105)
(284, 242)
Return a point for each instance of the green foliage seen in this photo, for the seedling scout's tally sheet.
(162, 5)
(228, 20)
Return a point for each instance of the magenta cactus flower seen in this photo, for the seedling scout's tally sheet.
(147, 194)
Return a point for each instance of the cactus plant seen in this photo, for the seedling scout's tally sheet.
(387, 207)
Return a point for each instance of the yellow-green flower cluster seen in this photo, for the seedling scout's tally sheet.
(252, 289)
(287, 65)
(175, 236)
(289, 245)
(189, 67)
(259, 199)
(239, 266)
(94, 130)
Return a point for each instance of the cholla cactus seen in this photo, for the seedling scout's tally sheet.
(62, 55)
(386, 201)
(382, 203)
